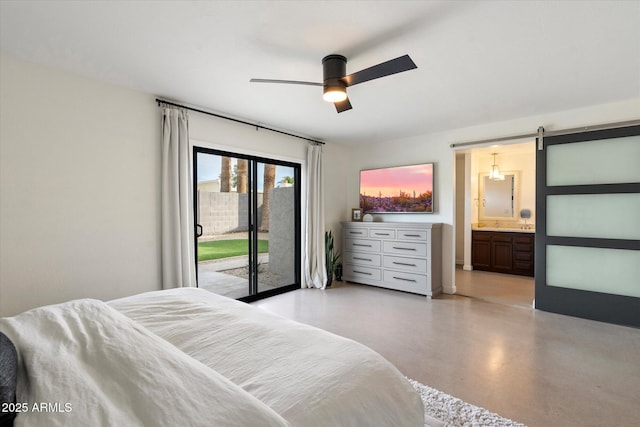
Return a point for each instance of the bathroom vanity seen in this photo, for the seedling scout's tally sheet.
(508, 251)
(502, 241)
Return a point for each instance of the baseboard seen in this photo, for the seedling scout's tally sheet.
(449, 290)
(467, 267)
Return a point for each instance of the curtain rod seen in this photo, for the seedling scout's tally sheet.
(549, 133)
(257, 126)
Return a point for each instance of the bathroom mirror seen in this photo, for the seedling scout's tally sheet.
(498, 199)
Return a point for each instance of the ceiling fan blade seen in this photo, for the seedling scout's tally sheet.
(394, 66)
(290, 82)
(342, 105)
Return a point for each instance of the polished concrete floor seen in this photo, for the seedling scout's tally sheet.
(538, 368)
(496, 287)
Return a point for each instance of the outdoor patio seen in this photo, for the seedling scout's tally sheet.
(229, 276)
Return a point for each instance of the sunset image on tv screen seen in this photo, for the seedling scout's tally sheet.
(397, 189)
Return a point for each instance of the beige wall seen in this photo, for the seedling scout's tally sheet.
(460, 207)
(79, 192)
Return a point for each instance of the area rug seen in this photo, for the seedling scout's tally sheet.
(441, 409)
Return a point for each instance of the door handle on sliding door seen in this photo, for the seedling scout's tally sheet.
(198, 230)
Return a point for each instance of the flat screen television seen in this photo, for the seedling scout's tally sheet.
(400, 189)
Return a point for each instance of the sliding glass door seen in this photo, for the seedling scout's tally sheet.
(248, 224)
(588, 233)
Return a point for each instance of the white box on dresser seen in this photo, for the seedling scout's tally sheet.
(405, 256)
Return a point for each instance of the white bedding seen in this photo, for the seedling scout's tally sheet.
(308, 376)
(92, 366)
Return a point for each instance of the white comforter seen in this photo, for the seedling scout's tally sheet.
(83, 363)
(308, 376)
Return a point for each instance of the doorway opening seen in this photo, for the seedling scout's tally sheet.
(495, 223)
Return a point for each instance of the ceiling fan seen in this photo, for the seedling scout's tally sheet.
(336, 81)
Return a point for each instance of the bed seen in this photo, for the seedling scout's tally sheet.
(193, 358)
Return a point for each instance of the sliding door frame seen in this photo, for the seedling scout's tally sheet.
(253, 219)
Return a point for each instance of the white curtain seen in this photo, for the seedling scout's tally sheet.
(178, 259)
(314, 265)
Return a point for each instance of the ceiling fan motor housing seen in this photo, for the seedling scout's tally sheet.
(334, 70)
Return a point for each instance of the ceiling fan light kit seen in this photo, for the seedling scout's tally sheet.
(336, 81)
(334, 68)
(335, 93)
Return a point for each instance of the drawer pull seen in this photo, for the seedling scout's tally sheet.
(356, 232)
(412, 235)
(382, 234)
(362, 272)
(406, 280)
(404, 263)
(362, 259)
(404, 249)
(361, 244)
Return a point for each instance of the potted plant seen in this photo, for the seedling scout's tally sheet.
(332, 257)
(339, 271)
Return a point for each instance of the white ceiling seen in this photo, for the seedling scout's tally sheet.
(478, 62)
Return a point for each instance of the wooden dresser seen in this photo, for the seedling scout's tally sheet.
(405, 256)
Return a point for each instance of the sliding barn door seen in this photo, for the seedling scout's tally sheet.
(588, 227)
(248, 224)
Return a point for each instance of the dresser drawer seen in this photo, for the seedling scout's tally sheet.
(502, 237)
(357, 258)
(523, 247)
(412, 235)
(405, 248)
(382, 234)
(415, 265)
(356, 272)
(360, 232)
(362, 245)
(523, 266)
(527, 239)
(523, 256)
(406, 280)
(481, 236)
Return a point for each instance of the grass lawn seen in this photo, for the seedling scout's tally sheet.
(227, 248)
